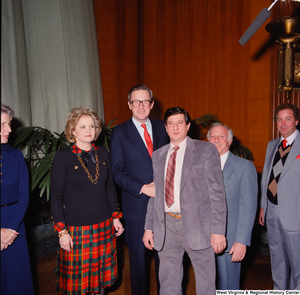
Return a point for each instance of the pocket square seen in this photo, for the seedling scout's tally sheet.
(298, 157)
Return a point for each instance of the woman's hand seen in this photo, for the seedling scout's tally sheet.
(8, 236)
(118, 226)
(65, 241)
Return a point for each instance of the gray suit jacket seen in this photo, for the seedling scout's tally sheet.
(241, 187)
(202, 196)
(288, 188)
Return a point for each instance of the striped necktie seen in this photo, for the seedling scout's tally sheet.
(169, 183)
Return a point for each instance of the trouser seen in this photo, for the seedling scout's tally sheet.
(171, 267)
(139, 258)
(284, 250)
(228, 272)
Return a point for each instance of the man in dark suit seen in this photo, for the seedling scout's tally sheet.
(280, 199)
(131, 146)
(188, 212)
(240, 180)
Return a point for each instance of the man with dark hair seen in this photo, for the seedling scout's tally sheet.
(188, 213)
(131, 147)
(280, 199)
(240, 180)
(285, 106)
(176, 111)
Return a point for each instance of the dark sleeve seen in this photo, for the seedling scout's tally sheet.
(57, 185)
(123, 179)
(110, 186)
(23, 193)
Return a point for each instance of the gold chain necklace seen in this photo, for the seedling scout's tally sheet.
(87, 171)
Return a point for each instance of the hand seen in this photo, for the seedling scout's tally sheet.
(66, 242)
(218, 242)
(238, 252)
(3, 246)
(118, 227)
(148, 239)
(261, 218)
(149, 189)
(8, 236)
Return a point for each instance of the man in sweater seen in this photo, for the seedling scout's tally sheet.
(280, 199)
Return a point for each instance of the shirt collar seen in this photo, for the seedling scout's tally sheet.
(291, 138)
(77, 151)
(223, 159)
(182, 145)
(138, 124)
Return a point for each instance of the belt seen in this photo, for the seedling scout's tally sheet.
(9, 204)
(174, 215)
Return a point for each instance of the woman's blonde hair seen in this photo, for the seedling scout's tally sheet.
(73, 119)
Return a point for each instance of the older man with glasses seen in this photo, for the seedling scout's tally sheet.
(131, 147)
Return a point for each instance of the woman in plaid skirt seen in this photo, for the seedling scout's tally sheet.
(84, 208)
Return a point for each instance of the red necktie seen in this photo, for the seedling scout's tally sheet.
(284, 142)
(148, 140)
(169, 183)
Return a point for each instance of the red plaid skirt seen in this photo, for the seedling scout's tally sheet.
(92, 263)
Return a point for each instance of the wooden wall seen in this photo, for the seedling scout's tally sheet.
(117, 24)
(187, 52)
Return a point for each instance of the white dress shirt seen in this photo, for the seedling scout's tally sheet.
(175, 208)
(141, 129)
(223, 159)
(291, 138)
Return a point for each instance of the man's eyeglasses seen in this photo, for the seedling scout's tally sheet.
(136, 103)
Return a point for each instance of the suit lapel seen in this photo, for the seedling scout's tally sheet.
(160, 172)
(229, 167)
(294, 152)
(134, 135)
(155, 135)
(187, 162)
(271, 156)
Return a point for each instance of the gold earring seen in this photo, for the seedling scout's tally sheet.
(74, 138)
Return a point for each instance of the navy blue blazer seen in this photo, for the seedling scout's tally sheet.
(132, 165)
